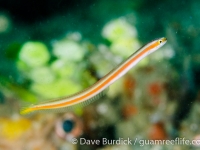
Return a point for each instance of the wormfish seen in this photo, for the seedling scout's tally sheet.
(99, 88)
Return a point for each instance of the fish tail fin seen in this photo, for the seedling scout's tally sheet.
(26, 110)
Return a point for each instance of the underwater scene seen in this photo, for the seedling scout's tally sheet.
(99, 75)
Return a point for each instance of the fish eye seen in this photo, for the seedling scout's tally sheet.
(160, 41)
(68, 126)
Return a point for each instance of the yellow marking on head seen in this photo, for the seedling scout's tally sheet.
(162, 40)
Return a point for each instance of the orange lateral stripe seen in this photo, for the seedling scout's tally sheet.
(103, 84)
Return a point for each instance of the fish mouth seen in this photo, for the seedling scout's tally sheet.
(164, 39)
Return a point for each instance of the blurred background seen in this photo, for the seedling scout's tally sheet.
(50, 49)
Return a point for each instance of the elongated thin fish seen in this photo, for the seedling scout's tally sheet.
(100, 86)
